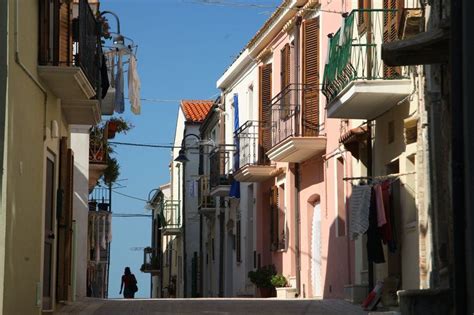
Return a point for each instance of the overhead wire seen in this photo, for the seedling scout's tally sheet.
(129, 196)
(234, 4)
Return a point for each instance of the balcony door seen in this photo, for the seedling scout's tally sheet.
(48, 234)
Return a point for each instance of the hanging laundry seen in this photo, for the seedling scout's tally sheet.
(97, 241)
(134, 85)
(109, 225)
(359, 205)
(110, 55)
(119, 87)
(104, 77)
(103, 241)
(381, 220)
(374, 243)
(92, 233)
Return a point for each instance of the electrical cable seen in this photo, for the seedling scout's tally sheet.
(159, 146)
(128, 196)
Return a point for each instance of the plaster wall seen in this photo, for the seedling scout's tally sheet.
(80, 146)
(27, 145)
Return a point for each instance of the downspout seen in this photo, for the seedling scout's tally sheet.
(28, 72)
(297, 165)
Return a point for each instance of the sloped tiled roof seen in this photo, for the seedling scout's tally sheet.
(196, 110)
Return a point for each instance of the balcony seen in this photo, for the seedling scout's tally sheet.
(71, 68)
(254, 164)
(356, 83)
(207, 203)
(295, 133)
(219, 179)
(172, 221)
(151, 261)
(97, 156)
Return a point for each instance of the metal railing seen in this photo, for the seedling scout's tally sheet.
(172, 214)
(205, 198)
(89, 50)
(151, 260)
(219, 162)
(355, 51)
(99, 199)
(97, 146)
(251, 151)
(85, 47)
(288, 118)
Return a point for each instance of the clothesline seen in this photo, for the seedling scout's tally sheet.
(379, 177)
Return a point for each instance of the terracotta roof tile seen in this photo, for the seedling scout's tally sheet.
(196, 110)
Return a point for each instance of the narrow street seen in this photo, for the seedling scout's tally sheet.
(210, 306)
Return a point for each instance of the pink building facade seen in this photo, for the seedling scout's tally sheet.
(312, 248)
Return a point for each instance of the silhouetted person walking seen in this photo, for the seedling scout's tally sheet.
(130, 283)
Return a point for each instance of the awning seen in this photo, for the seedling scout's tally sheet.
(353, 138)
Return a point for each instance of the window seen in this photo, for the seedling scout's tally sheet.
(341, 196)
(277, 216)
(391, 132)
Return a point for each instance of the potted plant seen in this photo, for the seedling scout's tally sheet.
(262, 279)
(283, 290)
(117, 125)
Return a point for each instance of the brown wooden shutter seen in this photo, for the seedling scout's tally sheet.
(48, 39)
(285, 66)
(274, 224)
(65, 218)
(265, 116)
(310, 110)
(363, 17)
(65, 34)
(391, 23)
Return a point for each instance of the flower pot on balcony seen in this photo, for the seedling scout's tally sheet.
(103, 206)
(286, 293)
(92, 205)
(111, 129)
(266, 292)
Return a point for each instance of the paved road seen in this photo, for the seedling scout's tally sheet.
(210, 306)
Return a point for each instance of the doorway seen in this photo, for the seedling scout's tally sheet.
(48, 234)
(316, 251)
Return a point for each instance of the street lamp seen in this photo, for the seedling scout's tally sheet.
(183, 159)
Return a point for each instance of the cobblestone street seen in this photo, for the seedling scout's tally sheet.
(210, 306)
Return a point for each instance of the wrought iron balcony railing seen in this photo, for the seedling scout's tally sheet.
(151, 260)
(205, 198)
(251, 151)
(355, 50)
(171, 216)
(97, 146)
(57, 48)
(220, 164)
(289, 118)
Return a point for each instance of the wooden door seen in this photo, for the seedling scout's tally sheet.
(47, 302)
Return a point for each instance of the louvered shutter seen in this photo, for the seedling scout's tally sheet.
(49, 28)
(310, 110)
(65, 217)
(265, 91)
(274, 224)
(363, 16)
(285, 79)
(65, 34)
(391, 23)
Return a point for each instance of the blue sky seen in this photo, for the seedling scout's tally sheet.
(184, 47)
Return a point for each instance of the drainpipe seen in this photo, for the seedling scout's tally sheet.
(18, 60)
(369, 174)
(297, 165)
